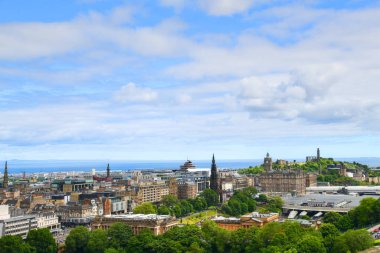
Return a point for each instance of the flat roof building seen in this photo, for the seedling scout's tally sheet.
(158, 224)
(246, 221)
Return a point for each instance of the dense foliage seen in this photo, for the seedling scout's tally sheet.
(364, 215)
(38, 241)
(241, 202)
(42, 241)
(170, 204)
(275, 237)
(145, 208)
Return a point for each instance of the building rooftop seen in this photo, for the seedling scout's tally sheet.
(352, 201)
(139, 216)
(260, 215)
(19, 218)
(227, 220)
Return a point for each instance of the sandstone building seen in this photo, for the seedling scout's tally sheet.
(254, 219)
(158, 224)
(288, 180)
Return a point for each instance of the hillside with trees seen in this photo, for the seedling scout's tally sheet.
(330, 176)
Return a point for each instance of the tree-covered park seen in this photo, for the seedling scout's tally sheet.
(288, 237)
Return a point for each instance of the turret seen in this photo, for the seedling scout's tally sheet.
(267, 163)
(108, 171)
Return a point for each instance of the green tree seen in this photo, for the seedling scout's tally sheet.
(345, 223)
(331, 217)
(145, 208)
(177, 211)
(185, 235)
(140, 243)
(241, 238)
(211, 197)
(235, 206)
(119, 234)
(186, 207)
(14, 244)
(163, 210)
(165, 245)
(364, 214)
(97, 241)
(226, 209)
(42, 241)
(76, 241)
(311, 244)
(112, 250)
(218, 239)
(251, 205)
(250, 191)
(267, 233)
(252, 170)
(276, 202)
(195, 248)
(199, 203)
(293, 231)
(169, 200)
(328, 229)
(329, 233)
(262, 198)
(353, 241)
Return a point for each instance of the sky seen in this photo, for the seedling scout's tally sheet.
(177, 79)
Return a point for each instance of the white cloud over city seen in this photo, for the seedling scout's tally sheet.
(290, 74)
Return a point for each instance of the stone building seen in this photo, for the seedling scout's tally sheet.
(288, 180)
(173, 186)
(75, 214)
(311, 179)
(150, 192)
(48, 220)
(186, 190)
(254, 219)
(158, 224)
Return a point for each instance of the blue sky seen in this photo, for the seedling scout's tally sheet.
(171, 79)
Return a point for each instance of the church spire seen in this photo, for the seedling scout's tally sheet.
(5, 180)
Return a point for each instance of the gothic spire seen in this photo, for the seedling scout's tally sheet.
(214, 184)
(5, 180)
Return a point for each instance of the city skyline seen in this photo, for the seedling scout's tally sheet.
(170, 79)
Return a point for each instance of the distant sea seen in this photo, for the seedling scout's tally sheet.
(36, 166)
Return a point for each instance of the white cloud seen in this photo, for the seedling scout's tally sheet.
(91, 32)
(24, 41)
(212, 7)
(225, 7)
(177, 4)
(131, 93)
(184, 98)
(322, 84)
